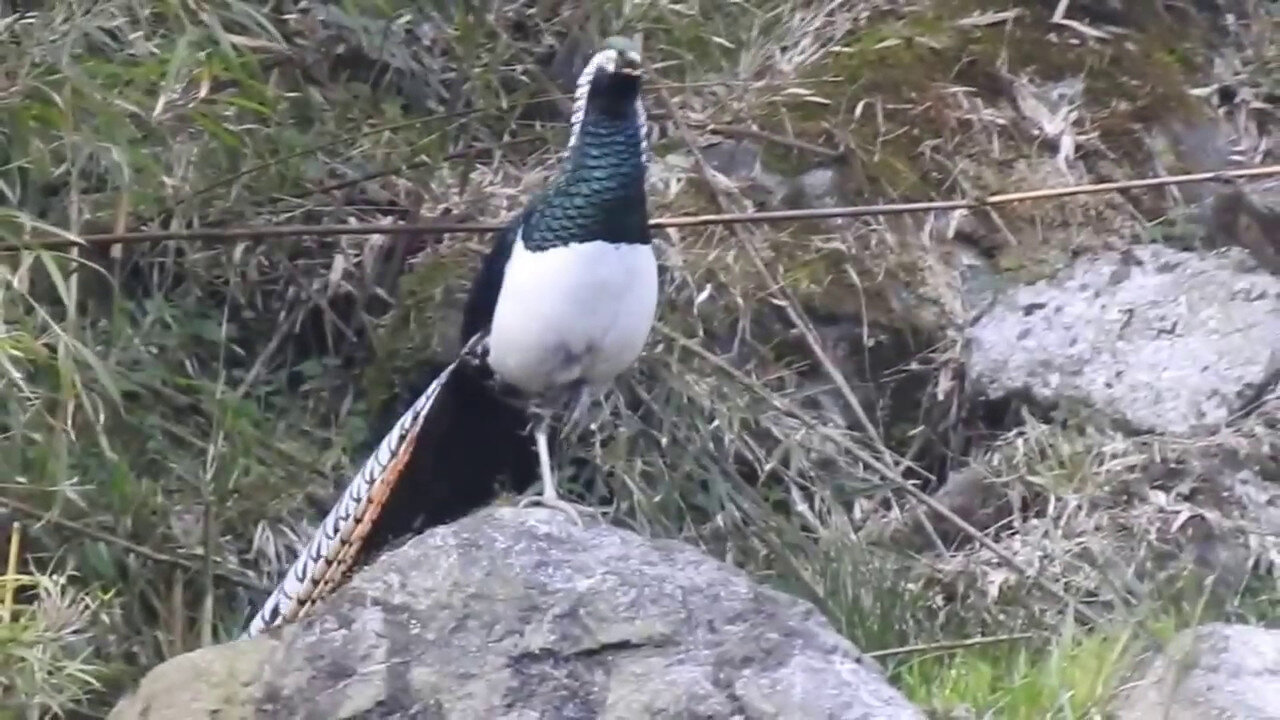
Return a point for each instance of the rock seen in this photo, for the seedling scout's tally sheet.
(211, 682)
(522, 614)
(970, 493)
(1250, 220)
(1227, 672)
(739, 161)
(1152, 338)
(1246, 215)
(979, 283)
(1205, 517)
(821, 187)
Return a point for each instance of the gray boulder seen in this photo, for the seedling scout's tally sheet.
(522, 614)
(1216, 671)
(1156, 339)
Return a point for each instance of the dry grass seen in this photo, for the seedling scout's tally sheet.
(47, 663)
(203, 403)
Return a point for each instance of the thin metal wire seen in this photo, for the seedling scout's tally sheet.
(264, 233)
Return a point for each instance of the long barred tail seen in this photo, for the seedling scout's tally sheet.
(448, 454)
(333, 549)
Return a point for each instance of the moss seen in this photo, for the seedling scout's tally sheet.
(901, 61)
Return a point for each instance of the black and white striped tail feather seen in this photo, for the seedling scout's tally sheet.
(296, 591)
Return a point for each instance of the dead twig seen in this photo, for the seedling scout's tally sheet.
(150, 554)
(950, 645)
(11, 571)
(750, 132)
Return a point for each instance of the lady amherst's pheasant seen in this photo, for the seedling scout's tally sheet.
(561, 305)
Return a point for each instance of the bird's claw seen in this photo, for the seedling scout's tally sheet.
(573, 510)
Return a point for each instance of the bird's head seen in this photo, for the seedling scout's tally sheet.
(609, 86)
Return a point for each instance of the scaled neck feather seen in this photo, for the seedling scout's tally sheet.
(580, 106)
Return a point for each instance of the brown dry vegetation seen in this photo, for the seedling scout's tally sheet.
(174, 417)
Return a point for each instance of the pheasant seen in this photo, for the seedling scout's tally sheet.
(561, 305)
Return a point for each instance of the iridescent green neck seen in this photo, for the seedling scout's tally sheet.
(600, 195)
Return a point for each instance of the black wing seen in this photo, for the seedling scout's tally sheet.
(484, 444)
(477, 314)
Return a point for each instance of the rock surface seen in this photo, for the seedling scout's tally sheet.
(521, 614)
(1157, 339)
(1220, 671)
(1249, 219)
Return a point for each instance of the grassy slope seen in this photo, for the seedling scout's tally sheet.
(202, 402)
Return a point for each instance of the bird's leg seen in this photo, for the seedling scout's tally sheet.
(550, 496)
(578, 412)
(540, 436)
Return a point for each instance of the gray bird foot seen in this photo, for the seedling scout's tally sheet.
(573, 510)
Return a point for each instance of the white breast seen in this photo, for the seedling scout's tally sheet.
(571, 313)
